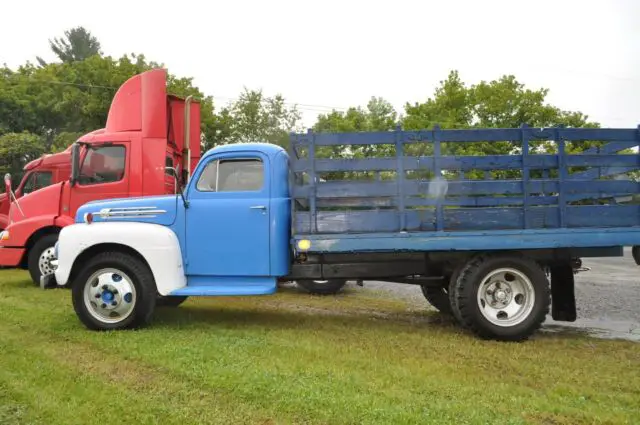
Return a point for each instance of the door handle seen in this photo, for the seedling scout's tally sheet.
(258, 207)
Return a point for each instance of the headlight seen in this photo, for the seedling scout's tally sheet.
(4, 235)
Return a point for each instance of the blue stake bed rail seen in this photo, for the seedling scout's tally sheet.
(522, 188)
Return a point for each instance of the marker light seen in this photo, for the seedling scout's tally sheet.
(304, 244)
(88, 218)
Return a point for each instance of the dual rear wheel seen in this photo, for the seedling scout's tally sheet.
(503, 297)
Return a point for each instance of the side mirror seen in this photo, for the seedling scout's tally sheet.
(75, 163)
(178, 188)
(7, 186)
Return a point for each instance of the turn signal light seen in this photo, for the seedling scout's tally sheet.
(4, 236)
(88, 218)
(304, 244)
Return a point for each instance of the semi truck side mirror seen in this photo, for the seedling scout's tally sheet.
(75, 163)
(7, 185)
(173, 172)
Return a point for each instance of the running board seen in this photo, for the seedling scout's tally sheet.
(227, 286)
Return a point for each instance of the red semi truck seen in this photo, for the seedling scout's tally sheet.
(146, 132)
(39, 173)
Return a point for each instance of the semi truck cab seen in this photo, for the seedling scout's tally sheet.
(146, 131)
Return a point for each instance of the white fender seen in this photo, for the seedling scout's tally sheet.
(158, 245)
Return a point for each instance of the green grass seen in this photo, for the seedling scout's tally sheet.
(356, 358)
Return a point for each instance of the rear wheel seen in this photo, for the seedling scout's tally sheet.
(40, 256)
(438, 296)
(503, 297)
(114, 291)
(322, 287)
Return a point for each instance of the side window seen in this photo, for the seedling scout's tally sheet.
(168, 163)
(28, 185)
(42, 179)
(232, 175)
(103, 164)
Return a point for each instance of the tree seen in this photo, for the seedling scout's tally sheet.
(255, 118)
(379, 115)
(77, 45)
(17, 149)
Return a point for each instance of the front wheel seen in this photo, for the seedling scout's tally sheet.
(114, 291)
(322, 287)
(503, 297)
(40, 256)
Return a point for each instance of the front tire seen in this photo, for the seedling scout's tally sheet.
(40, 256)
(503, 297)
(322, 287)
(114, 291)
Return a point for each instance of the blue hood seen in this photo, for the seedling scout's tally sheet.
(149, 209)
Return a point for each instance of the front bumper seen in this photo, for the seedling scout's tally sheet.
(11, 257)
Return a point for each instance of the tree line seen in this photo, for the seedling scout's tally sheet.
(44, 107)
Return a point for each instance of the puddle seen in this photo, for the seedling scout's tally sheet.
(597, 328)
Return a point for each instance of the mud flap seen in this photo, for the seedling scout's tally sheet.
(47, 281)
(563, 297)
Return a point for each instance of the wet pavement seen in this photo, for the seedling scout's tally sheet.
(607, 296)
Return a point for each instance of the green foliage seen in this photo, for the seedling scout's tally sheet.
(17, 149)
(255, 118)
(77, 44)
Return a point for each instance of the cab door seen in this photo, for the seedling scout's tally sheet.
(103, 174)
(228, 218)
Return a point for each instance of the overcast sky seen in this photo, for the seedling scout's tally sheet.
(340, 53)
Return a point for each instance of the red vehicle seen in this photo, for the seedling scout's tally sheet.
(38, 173)
(144, 134)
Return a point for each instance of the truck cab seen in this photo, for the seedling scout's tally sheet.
(39, 173)
(231, 232)
(146, 131)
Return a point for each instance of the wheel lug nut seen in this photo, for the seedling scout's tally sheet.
(98, 295)
(115, 291)
(105, 287)
(115, 303)
(104, 305)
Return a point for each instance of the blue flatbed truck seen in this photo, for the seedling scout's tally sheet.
(493, 239)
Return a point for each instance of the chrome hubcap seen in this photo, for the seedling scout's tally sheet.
(506, 297)
(109, 295)
(44, 262)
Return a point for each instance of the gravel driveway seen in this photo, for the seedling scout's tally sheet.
(607, 296)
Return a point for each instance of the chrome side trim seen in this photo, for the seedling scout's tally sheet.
(129, 212)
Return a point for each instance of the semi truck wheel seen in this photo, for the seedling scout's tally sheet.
(170, 301)
(503, 297)
(114, 291)
(40, 256)
(322, 287)
(438, 296)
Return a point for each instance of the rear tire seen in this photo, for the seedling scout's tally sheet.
(503, 297)
(114, 291)
(322, 287)
(39, 257)
(170, 301)
(438, 296)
